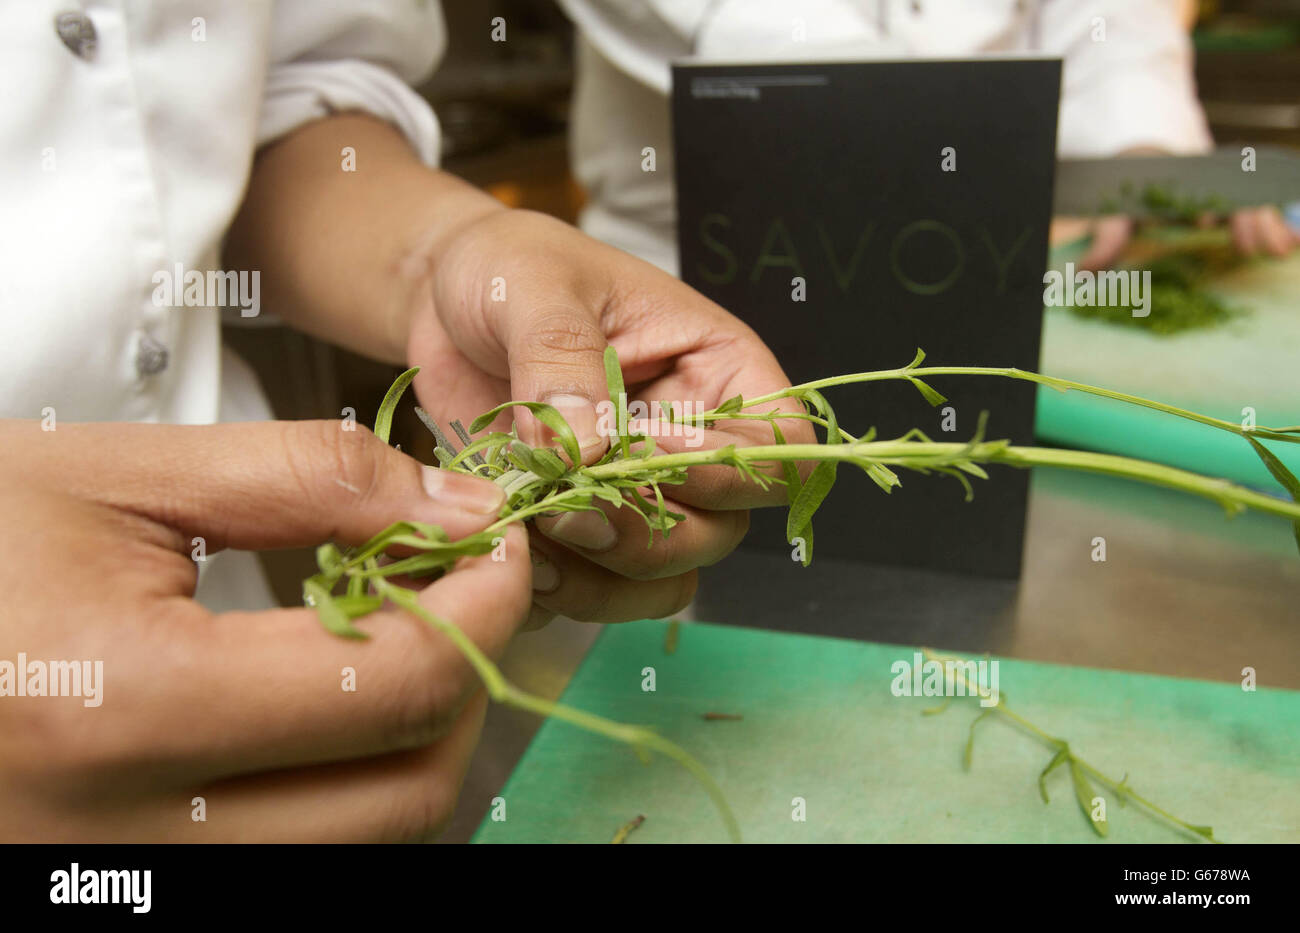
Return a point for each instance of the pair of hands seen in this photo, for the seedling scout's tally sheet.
(1254, 230)
(251, 711)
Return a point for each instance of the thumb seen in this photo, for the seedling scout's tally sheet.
(258, 486)
(556, 355)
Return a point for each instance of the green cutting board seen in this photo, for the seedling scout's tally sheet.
(1251, 361)
(820, 723)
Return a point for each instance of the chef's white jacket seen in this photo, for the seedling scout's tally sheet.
(127, 133)
(1129, 85)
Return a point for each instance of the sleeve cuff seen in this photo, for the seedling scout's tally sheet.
(300, 92)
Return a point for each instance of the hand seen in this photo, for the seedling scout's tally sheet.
(1262, 229)
(565, 297)
(1254, 230)
(398, 262)
(247, 710)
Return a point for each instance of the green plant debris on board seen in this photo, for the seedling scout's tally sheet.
(820, 723)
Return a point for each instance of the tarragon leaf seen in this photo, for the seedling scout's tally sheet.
(1084, 793)
(731, 405)
(959, 477)
(547, 464)
(811, 494)
(544, 413)
(617, 395)
(1282, 475)
(328, 611)
(931, 395)
(826, 411)
(880, 474)
(788, 469)
(384, 420)
(330, 561)
(799, 522)
(495, 439)
(356, 606)
(1052, 765)
(521, 458)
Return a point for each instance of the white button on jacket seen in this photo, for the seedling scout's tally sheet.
(127, 132)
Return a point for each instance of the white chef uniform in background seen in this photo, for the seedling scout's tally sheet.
(1133, 89)
(126, 142)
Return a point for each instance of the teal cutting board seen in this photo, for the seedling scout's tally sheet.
(821, 724)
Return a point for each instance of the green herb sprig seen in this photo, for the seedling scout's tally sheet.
(537, 481)
(1165, 204)
(1065, 757)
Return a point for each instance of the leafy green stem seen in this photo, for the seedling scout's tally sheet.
(541, 507)
(708, 416)
(913, 372)
(643, 740)
(1064, 754)
(923, 454)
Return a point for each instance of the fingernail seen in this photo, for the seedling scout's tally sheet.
(461, 491)
(590, 531)
(545, 577)
(581, 414)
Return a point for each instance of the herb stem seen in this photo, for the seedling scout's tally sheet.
(643, 740)
(923, 454)
(537, 508)
(1009, 372)
(765, 416)
(1121, 788)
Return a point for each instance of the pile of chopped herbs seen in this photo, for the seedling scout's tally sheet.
(1179, 302)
